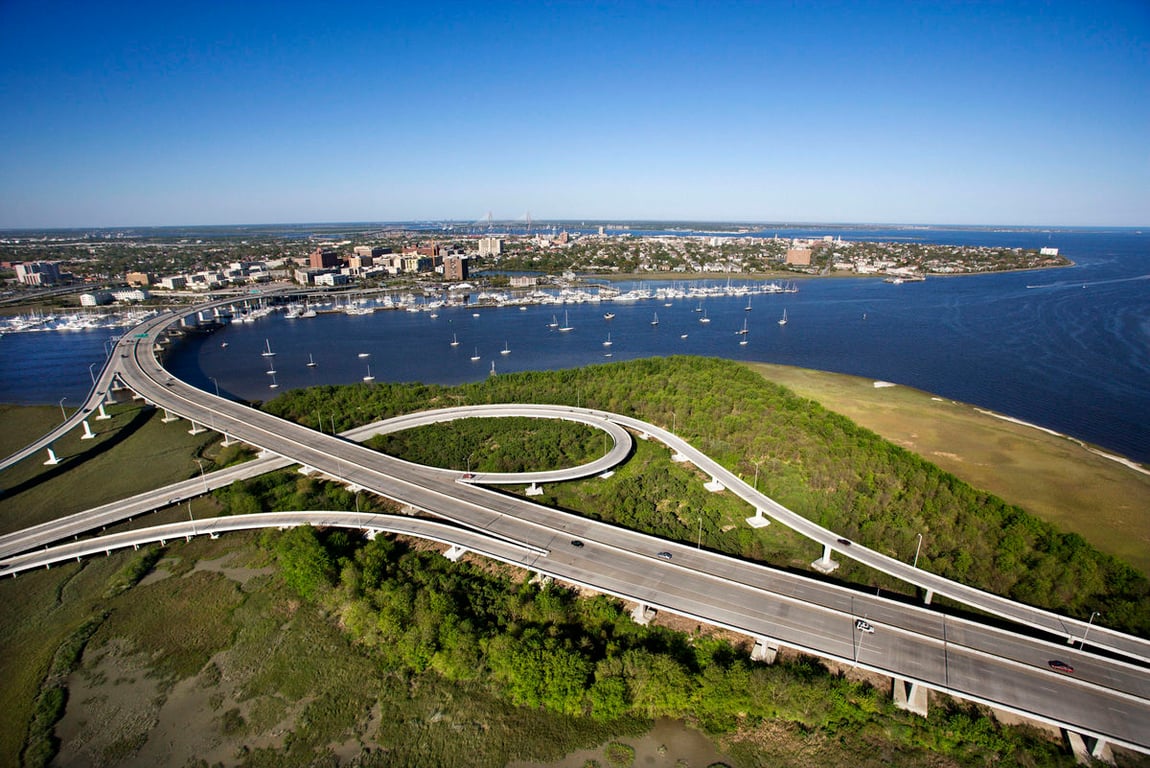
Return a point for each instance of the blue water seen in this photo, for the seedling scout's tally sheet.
(1068, 349)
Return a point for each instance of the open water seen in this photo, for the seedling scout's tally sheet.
(1067, 349)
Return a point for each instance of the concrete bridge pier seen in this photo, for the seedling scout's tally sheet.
(825, 564)
(766, 650)
(928, 596)
(714, 486)
(454, 553)
(534, 490)
(910, 696)
(679, 457)
(52, 460)
(758, 520)
(103, 416)
(228, 441)
(88, 433)
(196, 429)
(643, 614)
(168, 417)
(1087, 749)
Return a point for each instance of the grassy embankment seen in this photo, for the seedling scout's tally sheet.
(1053, 477)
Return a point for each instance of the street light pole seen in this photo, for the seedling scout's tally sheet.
(203, 477)
(916, 549)
(699, 541)
(1082, 645)
(91, 374)
(213, 378)
(63, 413)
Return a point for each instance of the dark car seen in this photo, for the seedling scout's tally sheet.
(576, 543)
(665, 555)
(845, 542)
(1061, 666)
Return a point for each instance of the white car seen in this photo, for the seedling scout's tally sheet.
(863, 626)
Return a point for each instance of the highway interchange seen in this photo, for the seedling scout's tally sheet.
(1107, 697)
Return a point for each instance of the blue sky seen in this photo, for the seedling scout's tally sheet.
(122, 114)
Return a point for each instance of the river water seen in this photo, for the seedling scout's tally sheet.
(1067, 349)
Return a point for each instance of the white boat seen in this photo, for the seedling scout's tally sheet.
(566, 325)
(608, 342)
(505, 351)
(699, 308)
(475, 314)
(369, 377)
(310, 361)
(655, 320)
(554, 322)
(783, 319)
(268, 352)
(271, 371)
(454, 341)
(743, 342)
(748, 307)
(475, 357)
(704, 318)
(608, 354)
(608, 315)
(273, 385)
(682, 335)
(743, 331)
(224, 345)
(364, 354)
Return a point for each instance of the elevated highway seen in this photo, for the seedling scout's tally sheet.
(1106, 698)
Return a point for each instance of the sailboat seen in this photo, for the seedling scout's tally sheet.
(268, 352)
(748, 307)
(783, 319)
(505, 351)
(704, 318)
(454, 341)
(310, 361)
(492, 368)
(608, 315)
(655, 321)
(566, 324)
(700, 307)
(608, 342)
(744, 329)
(369, 377)
(475, 357)
(274, 384)
(224, 345)
(271, 371)
(364, 354)
(554, 322)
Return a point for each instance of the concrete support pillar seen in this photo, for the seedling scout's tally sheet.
(1088, 749)
(910, 696)
(455, 553)
(228, 440)
(714, 486)
(679, 457)
(371, 534)
(52, 460)
(928, 597)
(103, 416)
(534, 490)
(88, 433)
(766, 650)
(758, 520)
(643, 614)
(196, 429)
(168, 417)
(825, 564)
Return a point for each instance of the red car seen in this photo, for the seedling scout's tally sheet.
(1061, 666)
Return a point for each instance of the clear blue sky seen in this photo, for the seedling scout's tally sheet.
(122, 113)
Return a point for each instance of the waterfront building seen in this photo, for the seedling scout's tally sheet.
(490, 246)
(455, 268)
(95, 299)
(38, 273)
(173, 282)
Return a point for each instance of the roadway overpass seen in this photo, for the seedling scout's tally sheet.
(1107, 698)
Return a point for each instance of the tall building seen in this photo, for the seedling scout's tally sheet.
(455, 268)
(38, 272)
(490, 246)
(323, 258)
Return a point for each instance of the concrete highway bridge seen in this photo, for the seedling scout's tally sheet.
(1106, 700)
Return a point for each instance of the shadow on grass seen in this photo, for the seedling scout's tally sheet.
(138, 420)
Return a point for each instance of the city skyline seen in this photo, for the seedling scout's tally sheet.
(1012, 113)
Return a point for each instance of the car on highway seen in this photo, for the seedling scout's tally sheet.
(1061, 666)
(576, 543)
(845, 542)
(863, 626)
(664, 555)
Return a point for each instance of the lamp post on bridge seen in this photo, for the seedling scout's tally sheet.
(91, 373)
(203, 477)
(63, 413)
(916, 549)
(1082, 645)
